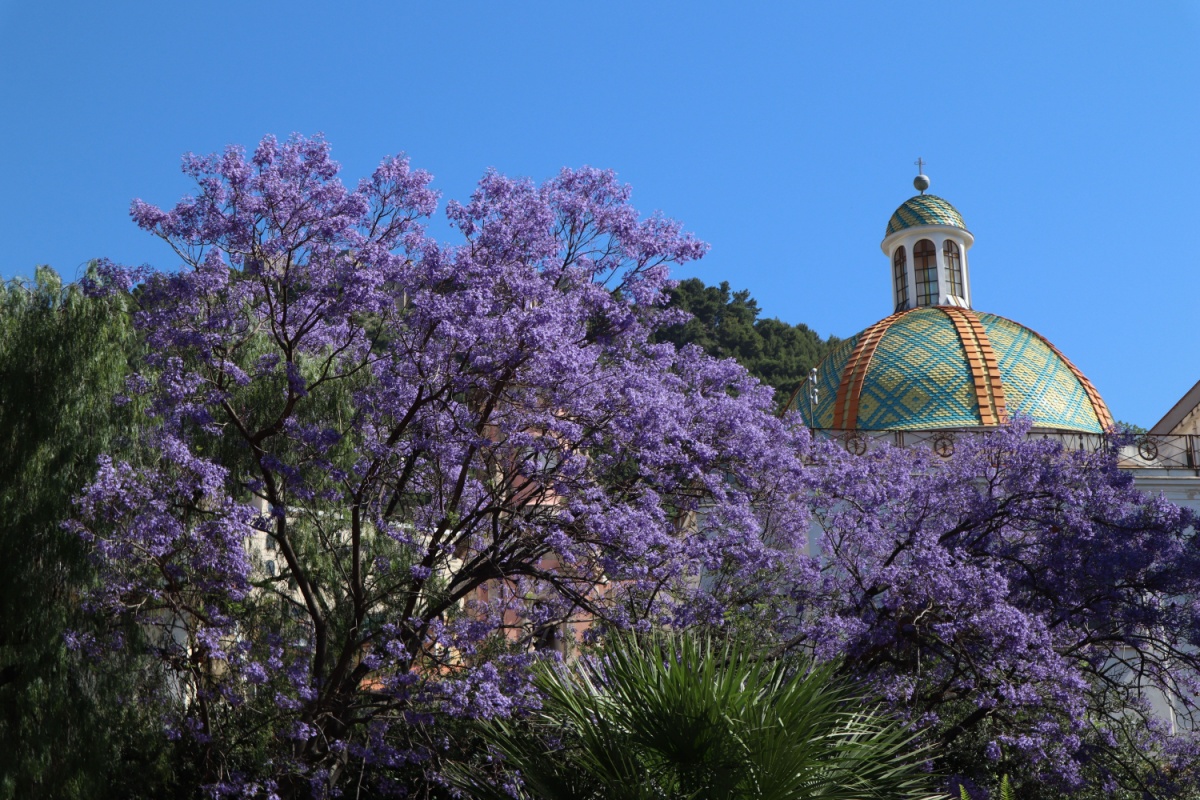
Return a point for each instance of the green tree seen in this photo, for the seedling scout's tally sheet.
(64, 731)
(676, 717)
(726, 324)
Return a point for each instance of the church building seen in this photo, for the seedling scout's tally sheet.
(936, 368)
(936, 364)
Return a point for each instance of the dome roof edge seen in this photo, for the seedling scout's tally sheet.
(945, 367)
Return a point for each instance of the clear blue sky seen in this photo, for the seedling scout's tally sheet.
(782, 133)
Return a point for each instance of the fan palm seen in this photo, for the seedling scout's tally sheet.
(681, 717)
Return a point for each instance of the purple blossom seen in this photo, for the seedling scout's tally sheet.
(1015, 587)
(452, 448)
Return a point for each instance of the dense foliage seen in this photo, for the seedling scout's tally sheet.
(681, 716)
(64, 730)
(448, 453)
(726, 325)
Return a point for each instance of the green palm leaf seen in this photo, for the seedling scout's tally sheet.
(681, 717)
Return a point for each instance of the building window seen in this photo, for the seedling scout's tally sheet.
(953, 268)
(900, 276)
(270, 565)
(925, 262)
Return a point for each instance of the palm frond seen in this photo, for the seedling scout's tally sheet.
(682, 716)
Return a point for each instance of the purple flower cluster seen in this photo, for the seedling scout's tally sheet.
(444, 452)
(1016, 590)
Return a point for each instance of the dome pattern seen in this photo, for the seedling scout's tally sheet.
(924, 209)
(942, 367)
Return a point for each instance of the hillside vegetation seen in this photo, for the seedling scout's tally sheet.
(727, 324)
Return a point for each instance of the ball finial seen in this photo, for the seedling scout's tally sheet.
(922, 180)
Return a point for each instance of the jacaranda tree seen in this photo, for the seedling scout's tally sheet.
(381, 467)
(1023, 603)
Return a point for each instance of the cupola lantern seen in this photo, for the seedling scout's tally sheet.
(927, 243)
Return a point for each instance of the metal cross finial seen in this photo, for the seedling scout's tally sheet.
(920, 162)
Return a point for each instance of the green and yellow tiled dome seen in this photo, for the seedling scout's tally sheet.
(924, 209)
(929, 368)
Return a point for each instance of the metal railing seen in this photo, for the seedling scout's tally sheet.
(1145, 451)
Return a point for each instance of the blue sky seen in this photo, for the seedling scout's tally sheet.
(1067, 134)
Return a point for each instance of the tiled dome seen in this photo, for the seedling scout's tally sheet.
(924, 209)
(945, 367)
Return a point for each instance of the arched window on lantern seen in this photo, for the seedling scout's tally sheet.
(953, 267)
(900, 278)
(925, 262)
